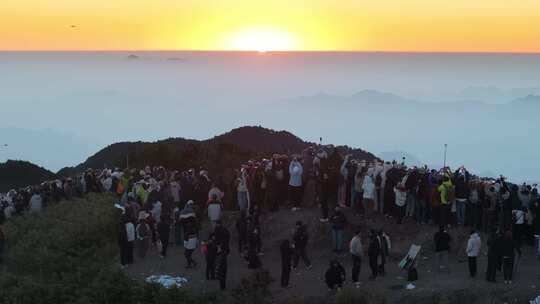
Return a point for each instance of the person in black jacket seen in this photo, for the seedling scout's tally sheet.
(508, 250)
(300, 243)
(211, 256)
(374, 251)
(338, 221)
(164, 230)
(335, 275)
(494, 256)
(442, 248)
(253, 258)
(242, 229)
(221, 267)
(328, 179)
(286, 262)
(222, 236)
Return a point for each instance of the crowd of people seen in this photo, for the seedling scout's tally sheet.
(160, 207)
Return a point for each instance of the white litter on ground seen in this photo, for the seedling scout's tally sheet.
(167, 281)
(411, 286)
(535, 301)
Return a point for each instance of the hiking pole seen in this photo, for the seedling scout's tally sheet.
(445, 148)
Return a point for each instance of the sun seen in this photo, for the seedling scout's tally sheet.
(261, 40)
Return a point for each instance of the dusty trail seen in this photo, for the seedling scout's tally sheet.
(308, 285)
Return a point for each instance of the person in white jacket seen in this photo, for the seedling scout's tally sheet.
(295, 183)
(474, 245)
(368, 187)
(214, 210)
(400, 200)
(356, 249)
(36, 203)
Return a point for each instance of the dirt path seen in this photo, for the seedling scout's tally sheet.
(455, 286)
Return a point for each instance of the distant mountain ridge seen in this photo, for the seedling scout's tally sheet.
(373, 98)
(219, 154)
(527, 100)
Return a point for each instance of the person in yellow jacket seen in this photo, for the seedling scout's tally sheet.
(445, 189)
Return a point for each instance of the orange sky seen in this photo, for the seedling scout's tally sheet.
(347, 25)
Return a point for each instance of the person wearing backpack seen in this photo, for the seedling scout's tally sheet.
(144, 234)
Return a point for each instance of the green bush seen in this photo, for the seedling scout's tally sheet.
(253, 289)
(69, 255)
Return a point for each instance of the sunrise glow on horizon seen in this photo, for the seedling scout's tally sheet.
(315, 25)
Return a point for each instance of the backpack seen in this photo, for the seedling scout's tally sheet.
(120, 188)
(142, 231)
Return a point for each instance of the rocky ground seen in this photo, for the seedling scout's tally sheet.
(308, 285)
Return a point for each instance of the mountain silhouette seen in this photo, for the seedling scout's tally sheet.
(220, 154)
(16, 174)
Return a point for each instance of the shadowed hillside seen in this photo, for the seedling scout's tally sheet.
(219, 154)
(16, 174)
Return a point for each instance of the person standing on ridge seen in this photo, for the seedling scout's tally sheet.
(356, 249)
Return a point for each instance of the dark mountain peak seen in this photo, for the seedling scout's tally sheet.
(17, 173)
(257, 138)
(219, 154)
